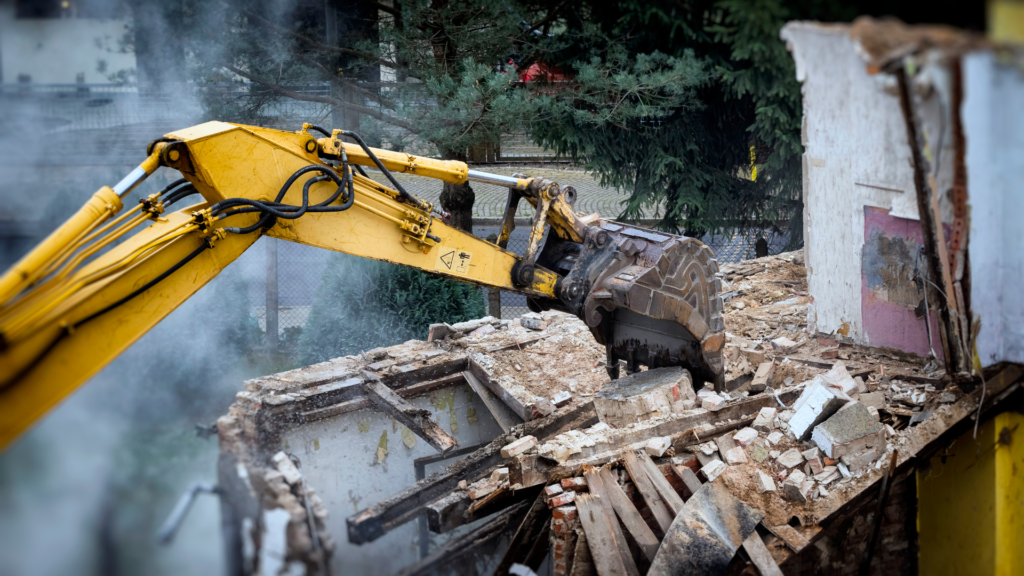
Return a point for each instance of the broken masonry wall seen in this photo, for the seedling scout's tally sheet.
(993, 117)
(862, 229)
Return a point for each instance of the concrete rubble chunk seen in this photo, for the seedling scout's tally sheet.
(478, 490)
(763, 482)
(645, 395)
(763, 376)
(518, 447)
(810, 453)
(713, 402)
(843, 470)
(849, 432)
(796, 487)
(816, 404)
(947, 398)
(657, 447)
(873, 399)
(790, 458)
(499, 475)
(735, 456)
(840, 378)
(814, 465)
(874, 413)
(713, 470)
(542, 407)
(783, 345)
(774, 437)
(287, 469)
(745, 437)
(774, 454)
(534, 322)
(561, 399)
(482, 331)
(758, 452)
(707, 448)
(724, 443)
(765, 421)
(827, 475)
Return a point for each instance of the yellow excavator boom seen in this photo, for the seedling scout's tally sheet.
(80, 298)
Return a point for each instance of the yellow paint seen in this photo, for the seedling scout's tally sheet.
(453, 261)
(316, 443)
(1006, 21)
(753, 164)
(408, 438)
(382, 446)
(970, 508)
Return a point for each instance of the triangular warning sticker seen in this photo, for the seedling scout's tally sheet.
(448, 258)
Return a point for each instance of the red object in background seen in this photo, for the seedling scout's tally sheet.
(544, 72)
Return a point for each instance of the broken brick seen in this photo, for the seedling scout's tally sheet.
(657, 447)
(763, 482)
(765, 421)
(849, 432)
(562, 499)
(576, 484)
(518, 447)
(713, 470)
(745, 436)
(735, 456)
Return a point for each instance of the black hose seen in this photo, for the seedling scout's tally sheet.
(171, 186)
(320, 130)
(380, 166)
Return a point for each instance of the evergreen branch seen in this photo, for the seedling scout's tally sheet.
(282, 91)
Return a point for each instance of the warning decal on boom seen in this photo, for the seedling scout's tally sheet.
(453, 261)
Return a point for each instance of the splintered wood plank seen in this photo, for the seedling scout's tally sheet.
(415, 419)
(650, 494)
(582, 563)
(504, 395)
(790, 536)
(760, 555)
(600, 540)
(490, 400)
(629, 515)
(596, 485)
(665, 490)
(533, 525)
(688, 477)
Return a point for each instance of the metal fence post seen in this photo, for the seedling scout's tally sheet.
(272, 299)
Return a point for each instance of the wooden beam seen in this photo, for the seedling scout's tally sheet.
(415, 419)
(643, 484)
(665, 490)
(760, 555)
(629, 515)
(582, 562)
(489, 400)
(372, 523)
(688, 477)
(511, 401)
(596, 525)
(597, 489)
(470, 542)
(362, 402)
(537, 519)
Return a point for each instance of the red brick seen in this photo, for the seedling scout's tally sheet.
(565, 513)
(575, 484)
(552, 490)
(561, 499)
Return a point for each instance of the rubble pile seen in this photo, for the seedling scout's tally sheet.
(604, 472)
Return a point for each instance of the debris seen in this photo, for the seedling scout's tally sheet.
(790, 458)
(797, 486)
(947, 398)
(745, 437)
(482, 488)
(532, 321)
(874, 413)
(783, 345)
(482, 331)
(499, 475)
(518, 447)
(561, 399)
(542, 407)
(415, 419)
(575, 484)
(462, 485)
(604, 549)
(724, 443)
(760, 555)
(713, 402)
(765, 421)
(919, 417)
(763, 482)
(561, 500)
(849, 432)
(873, 399)
(758, 452)
(659, 508)
(645, 395)
(735, 456)
(817, 402)
(774, 437)
(658, 446)
(762, 377)
(713, 470)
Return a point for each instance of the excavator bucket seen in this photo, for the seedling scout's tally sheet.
(650, 298)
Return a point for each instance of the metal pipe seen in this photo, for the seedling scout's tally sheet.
(135, 177)
(497, 180)
(170, 527)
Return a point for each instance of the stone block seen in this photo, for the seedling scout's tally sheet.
(848, 432)
(810, 453)
(763, 482)
(762, 377)
(561, 399)
(765, 421)
(713, 470)
(645, 395)
(783, 345)
(657, 447)
(745, 437)
(518, 447)
(816, 404)
(790, 458)
(874, 399)
(735, 456)
(796, 487)
(774, 438)
(713, 402)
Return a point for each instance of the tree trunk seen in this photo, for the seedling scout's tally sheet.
(458, 199)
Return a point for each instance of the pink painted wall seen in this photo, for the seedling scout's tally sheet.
(888, 295)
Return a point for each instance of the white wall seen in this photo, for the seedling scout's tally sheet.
(55, 51)
(993, 113)
(855, 155)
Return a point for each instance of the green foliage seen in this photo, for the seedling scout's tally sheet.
(363, 304)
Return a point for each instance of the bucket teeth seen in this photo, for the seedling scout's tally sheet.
(653, 299)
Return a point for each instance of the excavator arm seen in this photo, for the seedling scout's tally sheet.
(104, 278)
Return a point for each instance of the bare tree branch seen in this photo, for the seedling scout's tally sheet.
(281, 90)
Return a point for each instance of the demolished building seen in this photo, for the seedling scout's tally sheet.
(496, 446)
